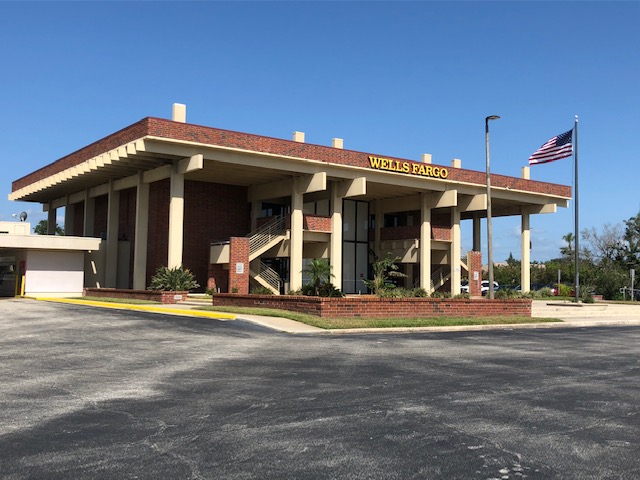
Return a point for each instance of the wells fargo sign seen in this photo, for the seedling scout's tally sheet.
(421, 169)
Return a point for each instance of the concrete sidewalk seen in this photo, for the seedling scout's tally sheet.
(572, 315)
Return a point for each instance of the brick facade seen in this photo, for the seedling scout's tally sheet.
(370, 306)
(475, 265)
(239, 255)
(150, 295)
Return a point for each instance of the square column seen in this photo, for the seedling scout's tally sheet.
(296, 240)
(176, 218)
(89, 214)
(335, 259)
(68, 217)
(141, 235)
(113, 217)
(425, 242)
(477, 244)
(455, 251)
(525, 264)
(51, 220)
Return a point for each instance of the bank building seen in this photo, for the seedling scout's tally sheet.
(243, 210)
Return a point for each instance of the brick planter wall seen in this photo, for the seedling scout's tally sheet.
(370, 306)
(151, 295)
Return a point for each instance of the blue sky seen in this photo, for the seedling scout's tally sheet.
(392, 78)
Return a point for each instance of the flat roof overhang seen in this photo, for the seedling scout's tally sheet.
(153, 157)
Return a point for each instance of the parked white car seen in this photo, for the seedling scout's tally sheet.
(485, 286)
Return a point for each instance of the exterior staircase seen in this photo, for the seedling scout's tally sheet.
(267, 236)
(265, 276)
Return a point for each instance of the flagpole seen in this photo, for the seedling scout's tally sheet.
(577, 229)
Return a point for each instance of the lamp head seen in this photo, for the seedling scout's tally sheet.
(492, 117)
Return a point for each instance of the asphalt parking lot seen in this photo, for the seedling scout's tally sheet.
(88, 393)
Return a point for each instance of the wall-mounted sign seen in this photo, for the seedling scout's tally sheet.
(422, 169)
(240, 267)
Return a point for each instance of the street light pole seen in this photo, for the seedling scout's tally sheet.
(489, 233)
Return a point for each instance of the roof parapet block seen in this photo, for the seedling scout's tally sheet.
(337, 143)
(298, 137)
(179, 113)
(426, 158)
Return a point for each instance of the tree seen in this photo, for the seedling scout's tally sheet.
(568, 250)
(319, 272)
(43, 227)
(383, 269)
(632, 240)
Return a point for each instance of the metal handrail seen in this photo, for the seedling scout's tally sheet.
(266, 273)
(266, 233)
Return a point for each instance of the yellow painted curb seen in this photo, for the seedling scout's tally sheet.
(144, 308)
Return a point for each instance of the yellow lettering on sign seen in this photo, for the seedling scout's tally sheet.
(374, 161)
(380, 163)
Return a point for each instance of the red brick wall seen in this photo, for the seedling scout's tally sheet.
(218, 278)
(475, 286)
(369, 306)
(78, 219)
(212, 212)
(158, 236)
(441, 233)
(239, 253)
(317, 223)
(213, 136)
(150, 295)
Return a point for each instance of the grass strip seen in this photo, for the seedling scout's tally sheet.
(368, 322)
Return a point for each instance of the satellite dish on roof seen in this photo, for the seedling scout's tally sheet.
(23, 216)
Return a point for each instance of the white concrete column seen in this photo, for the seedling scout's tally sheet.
(68, 217)
(51, 220)
(141, 235)
(176, 218)
(456, 276)
(525, 265)
(113, 217)
(296, 240)
(425, 242)
(336, 236)
(89, 214)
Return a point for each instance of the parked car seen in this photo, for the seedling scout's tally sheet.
(464, 286)
(485, 286)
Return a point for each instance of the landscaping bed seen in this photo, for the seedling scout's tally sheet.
(375, 307)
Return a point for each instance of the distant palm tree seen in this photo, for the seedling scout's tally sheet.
(568, 250)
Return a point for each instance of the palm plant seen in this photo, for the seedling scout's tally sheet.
(173, 279)
(319, 272)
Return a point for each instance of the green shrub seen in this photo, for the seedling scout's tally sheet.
(564, 290)
(173, 279)
(462, 295)
(260, 290)
(545, 292)
(438, 294)
(420, 293)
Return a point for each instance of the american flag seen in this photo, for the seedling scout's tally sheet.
(558, 147)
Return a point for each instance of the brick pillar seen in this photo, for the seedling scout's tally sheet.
(239, 265)
(474, 260)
